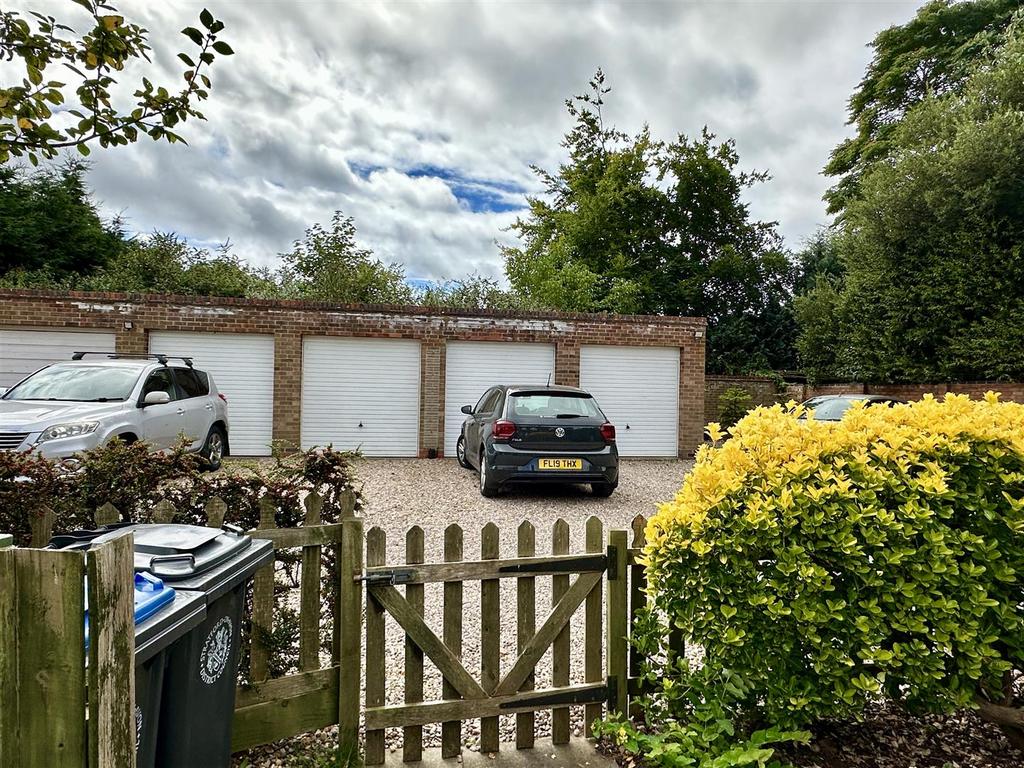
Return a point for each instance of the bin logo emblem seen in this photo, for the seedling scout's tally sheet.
(216, 651)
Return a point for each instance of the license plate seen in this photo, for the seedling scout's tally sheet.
(562, 464)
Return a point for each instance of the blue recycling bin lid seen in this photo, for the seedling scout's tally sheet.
(151, 594)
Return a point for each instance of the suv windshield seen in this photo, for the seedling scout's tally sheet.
(553, 405)
(79, 383)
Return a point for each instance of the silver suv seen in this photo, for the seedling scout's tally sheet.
(69, 407)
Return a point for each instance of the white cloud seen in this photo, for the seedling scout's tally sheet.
(475, 89)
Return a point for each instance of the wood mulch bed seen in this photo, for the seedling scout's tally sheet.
(889, 738)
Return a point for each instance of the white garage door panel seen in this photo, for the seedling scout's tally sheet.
(638, 389)
(472, 367)
(25, 351)
(242, 366)
(372, 382)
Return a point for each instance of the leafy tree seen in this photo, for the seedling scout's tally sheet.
(931, 55)
(165, 263)
(92, 59)
(631, 224)
(49, 222)
(471, 292)
(932, 247)
(328, 264)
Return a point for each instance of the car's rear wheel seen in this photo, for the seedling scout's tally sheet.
(487, 487)
(603, 490)
(460, 453)
(213, 449)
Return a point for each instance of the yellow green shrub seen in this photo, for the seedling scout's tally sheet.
(830, 564)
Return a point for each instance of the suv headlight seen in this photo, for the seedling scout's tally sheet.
(77, 429)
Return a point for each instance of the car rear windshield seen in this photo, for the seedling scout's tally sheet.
(552, 405)
(831, 409)
(80, 383)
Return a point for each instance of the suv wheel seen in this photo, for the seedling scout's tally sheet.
(460, 453)
(603, 490)
(213, 449)
(487, 487)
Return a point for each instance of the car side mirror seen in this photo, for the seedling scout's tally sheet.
(467, 409)
(156, 398)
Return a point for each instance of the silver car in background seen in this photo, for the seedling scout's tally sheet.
(69, 407)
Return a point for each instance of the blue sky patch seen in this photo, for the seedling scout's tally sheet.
(475, 194)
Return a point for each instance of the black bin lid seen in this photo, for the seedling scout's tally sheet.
(191, 557)
(174, 552)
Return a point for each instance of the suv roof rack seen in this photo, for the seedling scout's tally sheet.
(162, 359)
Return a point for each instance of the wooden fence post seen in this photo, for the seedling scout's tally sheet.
(490, 636)
(42, 527)
(618, 622)
(111, 671)
(262, 603)
(6, 540)
(9, 742)
(526, 628)
(451, 731)
(594, 639)
(376, 554)
(350, 620)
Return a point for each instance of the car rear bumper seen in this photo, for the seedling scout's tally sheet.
(507, 465)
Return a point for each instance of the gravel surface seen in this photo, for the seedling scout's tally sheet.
(433, 494)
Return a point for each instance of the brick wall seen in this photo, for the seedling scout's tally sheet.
(762, 391)
(1012, 391)
(132, 317)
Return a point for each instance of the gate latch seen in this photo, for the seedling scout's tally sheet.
(389, 577)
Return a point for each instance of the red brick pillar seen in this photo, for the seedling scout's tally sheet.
(691, 394)
(432, 362)
(130, 341)
(567, 363)
(287, 387)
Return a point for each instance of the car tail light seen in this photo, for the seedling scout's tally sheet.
(503, 429)
(221, 396)
(608, 432)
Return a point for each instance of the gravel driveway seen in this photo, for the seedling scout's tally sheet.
(433, 494)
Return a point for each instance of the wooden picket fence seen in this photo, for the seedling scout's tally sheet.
(605, 581)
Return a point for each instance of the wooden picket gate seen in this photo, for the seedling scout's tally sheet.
(606, 673)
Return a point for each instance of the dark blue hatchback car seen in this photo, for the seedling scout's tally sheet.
(523, 434)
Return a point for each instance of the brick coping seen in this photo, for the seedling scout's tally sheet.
(321, 306)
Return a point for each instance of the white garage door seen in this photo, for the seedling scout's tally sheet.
(638, 389)
(242, 366)
(25, 351)
(471, 367)
(361, 393)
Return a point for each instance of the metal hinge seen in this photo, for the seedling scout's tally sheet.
(612, 684)
(613, 562)
(389, 577)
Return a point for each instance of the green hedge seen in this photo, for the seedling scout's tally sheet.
(830, 565)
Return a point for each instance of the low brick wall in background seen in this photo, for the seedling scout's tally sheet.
(132, 317)
(763, 391)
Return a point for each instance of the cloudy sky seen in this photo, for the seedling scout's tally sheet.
(421, 119)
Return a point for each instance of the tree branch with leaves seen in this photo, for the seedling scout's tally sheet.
(33, 113)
